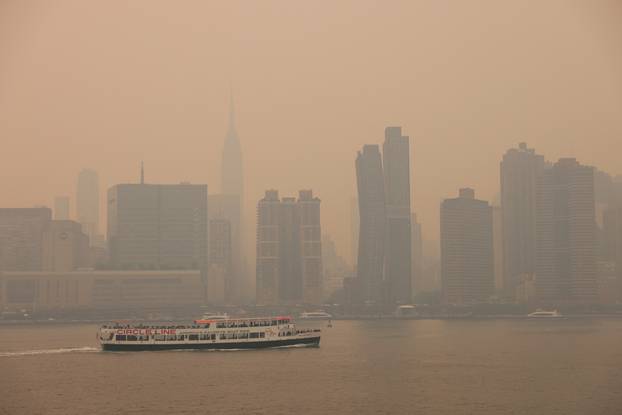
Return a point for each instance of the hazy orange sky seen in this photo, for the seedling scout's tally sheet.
(106, 84)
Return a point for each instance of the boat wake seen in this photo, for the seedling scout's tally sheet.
(295, 346)
(50, 351)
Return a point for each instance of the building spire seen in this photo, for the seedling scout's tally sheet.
(142, 172)
(232, 131)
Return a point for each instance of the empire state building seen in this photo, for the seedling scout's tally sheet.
(225, 215)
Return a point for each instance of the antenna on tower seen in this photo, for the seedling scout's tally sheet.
(142, 172)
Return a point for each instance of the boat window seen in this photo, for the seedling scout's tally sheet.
(159, 337)
(243, 336)
(262, 335)
(193, 337)
(131, 338)
(120, 337)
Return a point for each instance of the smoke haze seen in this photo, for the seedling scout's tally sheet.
(106, 84)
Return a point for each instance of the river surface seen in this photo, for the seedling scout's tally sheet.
(570, 366)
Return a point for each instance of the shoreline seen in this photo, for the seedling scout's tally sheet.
(32, 322)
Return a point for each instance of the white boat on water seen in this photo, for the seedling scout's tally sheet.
(545, 314)
(406, 310)
(315, 315)
(215, 334)
(215, 316)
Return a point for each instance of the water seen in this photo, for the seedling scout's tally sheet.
(362, 367)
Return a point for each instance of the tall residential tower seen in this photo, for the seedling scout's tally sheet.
(289, 249)
(396, 167)
(467, 272)
(520, 169)
(372, 229)
(566, 234)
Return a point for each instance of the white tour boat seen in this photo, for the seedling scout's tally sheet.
(227, 333)
(545, 314)
(315, 315)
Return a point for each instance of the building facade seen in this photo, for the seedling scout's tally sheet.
(566, 242)
(398, 260)
(65, 247)
(230, 205)
(87, 203)
(224, 207)
(372, 229)
(79, 291)
(289, 249)
(335, 267)
(467, 273)
(61, 208)
(417, 283)
(310, 247)
(21, 238)
(520, 170)
(355, 223)
(158, 226)
(220, 257)
(268, 246)
(613, 234)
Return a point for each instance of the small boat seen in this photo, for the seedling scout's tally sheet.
(406, 311)
(545, 314)
(215, 316)
(315, 315)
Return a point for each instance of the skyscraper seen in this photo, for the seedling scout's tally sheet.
(268, 245)
(467, 273)
(158, 226)
(417, 283)
(372, 213)
(311, 246)
(566, 234)
(232, 185)
(87, 203)
(355, 222)
(290, 245)
(289, 249)
(61, 208)
(227, 207)
(396, 166)
(497, 241)
(520, 169)
(219, 270)
(335, 267)
(613, 235)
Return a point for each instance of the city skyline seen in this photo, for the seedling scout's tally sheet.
(311, 207)
(320, 105)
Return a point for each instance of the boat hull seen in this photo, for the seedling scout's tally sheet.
(265, 344)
